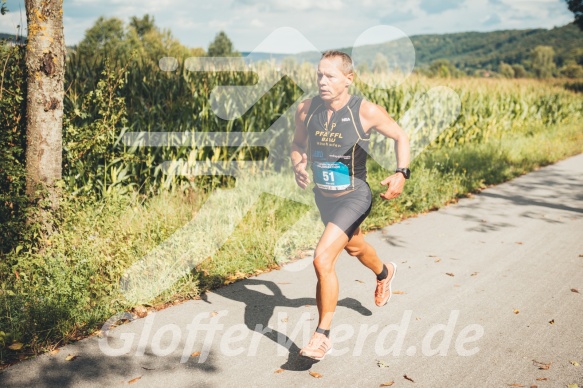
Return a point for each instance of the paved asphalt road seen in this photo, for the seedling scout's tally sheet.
(484, 288)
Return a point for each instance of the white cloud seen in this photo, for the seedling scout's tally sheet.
(257, 23)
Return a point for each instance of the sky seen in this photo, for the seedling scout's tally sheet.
(301, 25)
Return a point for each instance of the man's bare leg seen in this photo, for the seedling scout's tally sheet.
(331, 243)
(358, 247)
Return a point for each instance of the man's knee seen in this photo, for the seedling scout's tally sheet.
(324, 262)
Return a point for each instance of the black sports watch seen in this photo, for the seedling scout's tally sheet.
(405, 171)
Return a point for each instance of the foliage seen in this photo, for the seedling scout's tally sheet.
(221, 46)
(543, 62)
(576, 6)
(12, 143)
(506, 70)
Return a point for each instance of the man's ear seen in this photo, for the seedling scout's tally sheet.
(349, 78)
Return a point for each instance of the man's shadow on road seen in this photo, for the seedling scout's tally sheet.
(259, 308)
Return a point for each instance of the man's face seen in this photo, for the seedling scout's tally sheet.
(332, 82)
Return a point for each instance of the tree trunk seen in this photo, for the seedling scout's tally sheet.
(45, 63)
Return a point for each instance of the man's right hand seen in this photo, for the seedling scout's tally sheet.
(302, 176)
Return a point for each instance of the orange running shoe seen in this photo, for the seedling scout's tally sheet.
(318, 347)
(382, 294)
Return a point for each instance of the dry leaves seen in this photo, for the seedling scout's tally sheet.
(16, 346)
(575, 290)
(70, 357)
(575, 363)
(214, 314)
(387, 384)
(360, 281)
(315, 375)
(519, 242)
(572, 386)
(55, 351)
(279, 371)
(382, 364)
(515, 385)
(449, 274)
(408, 378)
(516, 311)
(140, 311)
(542, 379)
(541, 365)
(552, 321)
(474, 274)
(195, 354)
(399, 292)
(437, 260)
(134, 380)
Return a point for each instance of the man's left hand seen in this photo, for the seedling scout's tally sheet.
(395, 184)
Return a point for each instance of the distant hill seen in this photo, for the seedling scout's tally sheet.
(12, 37)
(483, 50)
(470, 51)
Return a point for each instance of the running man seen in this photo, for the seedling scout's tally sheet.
(332, 135)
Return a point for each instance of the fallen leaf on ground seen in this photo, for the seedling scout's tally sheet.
(214, 314)
(70, 357)
(575, 363)
(534, 386)
(16, 346)
(360, 281)
(432, 256)
(399, 292)
(284, 319)
(382, 364)
(552, 321)
(541, 365)
(575, 290)
(572, 386)
(542, 379)
(408, 378)
(516, 311)
(315, 374)
(387, 384)
(195, 354)
(148, 368)
(449, 274)
(437, 260)
(53, 352)
(515, 385)
(134, 380)
(141, 311)
(279, 371)
(474, 274)
(519, 243)
(457, 285)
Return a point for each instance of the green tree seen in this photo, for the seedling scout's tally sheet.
(543, 61)
(143, 25)
(519, 71)
(221, 46)
(3, 8)
(576, 6)
(104, 39)
(571, 70)
(506, 70)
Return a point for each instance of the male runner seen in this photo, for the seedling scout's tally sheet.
(332, 135)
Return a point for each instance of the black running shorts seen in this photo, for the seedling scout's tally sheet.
(347, 211)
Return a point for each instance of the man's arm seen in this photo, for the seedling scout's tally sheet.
(376, 117)
(298, 155)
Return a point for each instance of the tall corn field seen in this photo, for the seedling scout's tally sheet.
(147, 100)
